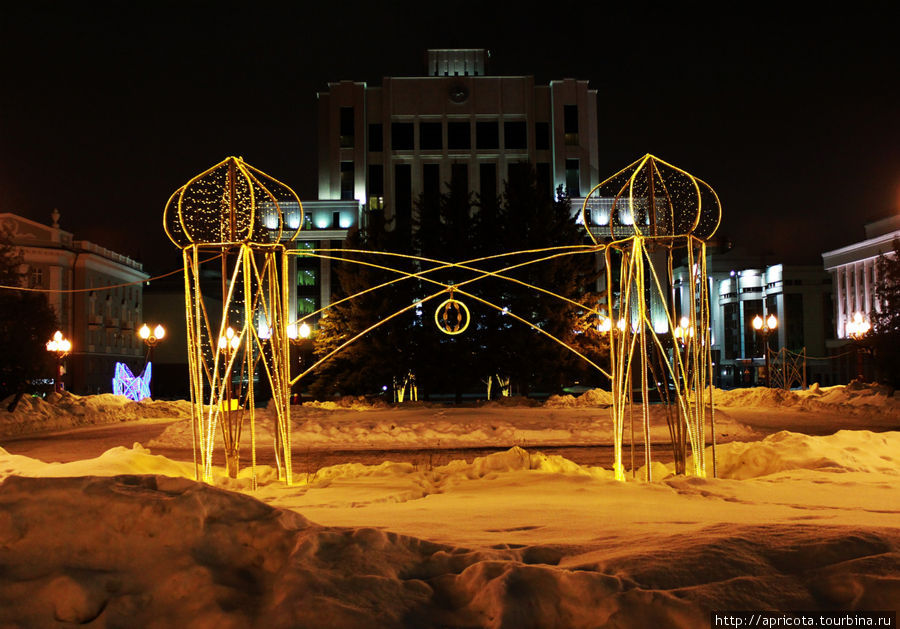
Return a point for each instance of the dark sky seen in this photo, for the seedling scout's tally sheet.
(106, 109)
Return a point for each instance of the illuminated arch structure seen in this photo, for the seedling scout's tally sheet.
(233, 213)
(646, 213)
(232, 216)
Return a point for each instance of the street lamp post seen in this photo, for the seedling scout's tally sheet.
(60, 346)
(151, 338)
(857, 328)
(765, 328)
(231, 434)
(683, 331)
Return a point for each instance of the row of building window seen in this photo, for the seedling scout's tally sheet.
(459, 173)
(431, 136)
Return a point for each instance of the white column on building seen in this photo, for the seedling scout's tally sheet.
(848, 305)
(867, 288)
(875, 304)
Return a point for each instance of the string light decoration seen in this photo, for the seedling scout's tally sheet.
(431, 266)
(641, 215)
(452, 316)
(238, 212)
(135, 388)
(646, 213)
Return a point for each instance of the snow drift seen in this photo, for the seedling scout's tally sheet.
(155, 551)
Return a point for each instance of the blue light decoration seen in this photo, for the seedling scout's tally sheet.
(133, 387)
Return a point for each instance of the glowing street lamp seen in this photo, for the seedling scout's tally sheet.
(60, 346)
(765, 328)
(607, 325)
(857, 328)
(151, 338)
(230, 341)
(683, 331)
(298, 334)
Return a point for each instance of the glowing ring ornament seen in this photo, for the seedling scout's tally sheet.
(443, 318)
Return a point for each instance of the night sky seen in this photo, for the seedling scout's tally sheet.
(106, 109)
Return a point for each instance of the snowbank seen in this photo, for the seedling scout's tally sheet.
(61, 411)
(845, 451)
(514, 539)
(853, 398)
(594, 397)
(354, 423)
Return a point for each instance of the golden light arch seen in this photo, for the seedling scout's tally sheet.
(238, 217)
(647, 213)
(235, 216)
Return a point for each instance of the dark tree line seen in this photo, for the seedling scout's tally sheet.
(26, 324)
(458, 226)
(885, 336)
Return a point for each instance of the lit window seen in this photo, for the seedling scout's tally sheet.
(306, 277)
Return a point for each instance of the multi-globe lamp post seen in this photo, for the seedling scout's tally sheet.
(764, 328)
(606, 325)
(60, 346)
(229, 343)
(857, 328)
(683, 331)
(151, 338)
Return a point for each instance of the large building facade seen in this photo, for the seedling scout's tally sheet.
(386, 145)
(740, 288)
(97, 295)
(854, 271)
(381, 147)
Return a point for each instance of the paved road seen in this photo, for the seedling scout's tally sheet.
(84, 443)
(89, 442)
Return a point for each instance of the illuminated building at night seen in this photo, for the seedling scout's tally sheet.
(386, 145)
(383, 146)
(100, 321)
(855, 273)
(740, 289)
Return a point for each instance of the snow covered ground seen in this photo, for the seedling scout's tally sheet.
(804, 515)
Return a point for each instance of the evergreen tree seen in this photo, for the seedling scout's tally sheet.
(455, 226)
(532, 219)
(885, 337)
(447, 229)
(26, 324)
(371, 362)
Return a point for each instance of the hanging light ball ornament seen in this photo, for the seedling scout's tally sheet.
(232, 202)
(654, 199)
(452, 316)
